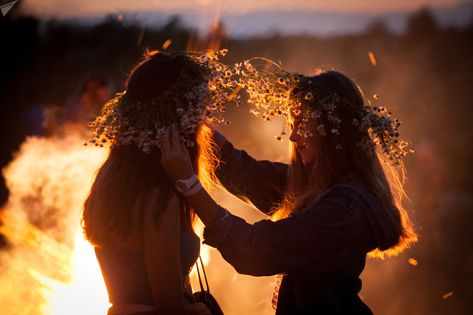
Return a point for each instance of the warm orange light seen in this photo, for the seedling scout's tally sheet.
(413, 262)
(49, 268)
(85, 284)
(447, 295)
(214, 36)
(207, 160)
(167, 43)
(372, 58)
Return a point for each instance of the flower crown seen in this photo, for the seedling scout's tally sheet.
(202, 92)
(275, 92)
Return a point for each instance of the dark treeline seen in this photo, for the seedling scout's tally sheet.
(424, 75)
(45, 63)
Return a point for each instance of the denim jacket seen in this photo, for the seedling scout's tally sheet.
(321, 251)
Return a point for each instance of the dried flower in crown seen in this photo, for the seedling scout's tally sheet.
(275, 92)
(192, 100)
(384, 131)
(268, 87)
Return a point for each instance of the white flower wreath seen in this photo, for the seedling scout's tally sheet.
(275, 92)
(190, 101)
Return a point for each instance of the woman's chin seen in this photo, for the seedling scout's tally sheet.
(307, 164)
(306, 160)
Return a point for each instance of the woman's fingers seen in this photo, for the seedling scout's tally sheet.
(174, 156)
(183, 149)
(170, 143)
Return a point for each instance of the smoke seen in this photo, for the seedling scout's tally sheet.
(49, 269)
(48, 180)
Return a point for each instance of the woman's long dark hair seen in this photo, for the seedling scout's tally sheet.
(129, 175)
(383, 180)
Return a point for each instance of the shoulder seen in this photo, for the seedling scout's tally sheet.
(351, 193)
(348, 199)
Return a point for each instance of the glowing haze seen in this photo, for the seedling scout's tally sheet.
(76, 8)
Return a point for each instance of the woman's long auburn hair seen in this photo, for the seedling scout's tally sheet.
(129, 175)
(384, 180)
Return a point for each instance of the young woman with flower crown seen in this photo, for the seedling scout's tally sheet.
(339, 199)
(140, 227)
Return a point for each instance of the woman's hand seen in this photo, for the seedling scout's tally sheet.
(175, 157)
(177, 163)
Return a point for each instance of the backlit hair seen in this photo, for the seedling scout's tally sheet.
(382, 178)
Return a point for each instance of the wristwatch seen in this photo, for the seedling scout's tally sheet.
(187, 187)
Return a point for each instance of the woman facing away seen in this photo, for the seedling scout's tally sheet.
(340, 198)
(140, 228)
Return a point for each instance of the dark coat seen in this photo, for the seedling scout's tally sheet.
(321, 250)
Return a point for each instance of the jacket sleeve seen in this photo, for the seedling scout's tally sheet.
(260, 182)
(316, 239)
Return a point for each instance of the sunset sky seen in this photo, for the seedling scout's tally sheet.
(250, 17)
(69, 8)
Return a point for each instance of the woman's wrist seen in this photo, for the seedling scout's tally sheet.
(203, 204)
(198, 198)
(189, 186)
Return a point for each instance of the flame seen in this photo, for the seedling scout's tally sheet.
(48, 264)
(49, 268)
(86, 284)
(49, 180)
(210, 23)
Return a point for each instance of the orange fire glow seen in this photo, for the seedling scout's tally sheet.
(372, 58)
(447, 295)
(48, 181)
(166, 44)
(49, 268)
(85, 293)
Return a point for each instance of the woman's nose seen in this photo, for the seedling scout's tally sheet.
(294, 136)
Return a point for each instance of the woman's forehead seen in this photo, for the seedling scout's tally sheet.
(293, 116)
(299, 111)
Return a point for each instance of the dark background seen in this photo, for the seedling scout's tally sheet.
(423, 75)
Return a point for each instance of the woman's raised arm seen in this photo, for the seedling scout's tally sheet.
(315, 238)
(260, 182)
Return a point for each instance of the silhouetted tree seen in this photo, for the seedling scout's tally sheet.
(378, 28)
(421, 24)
